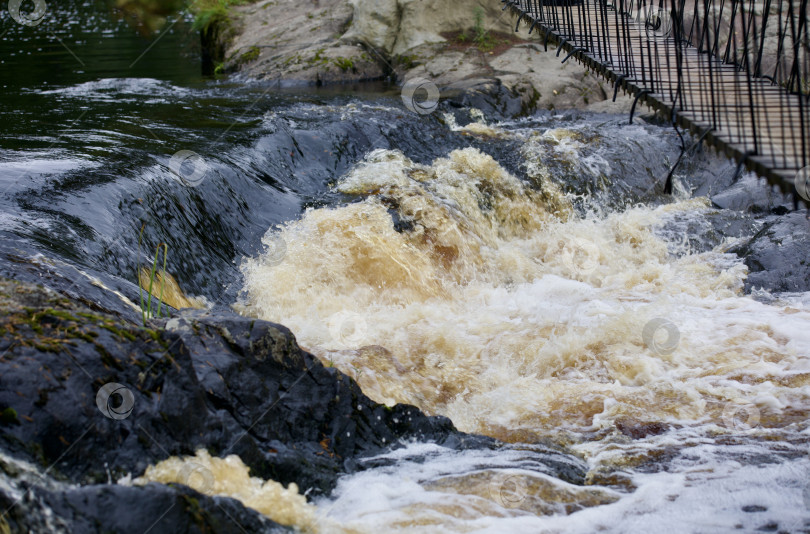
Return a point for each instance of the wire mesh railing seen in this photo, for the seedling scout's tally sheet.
(736, 72)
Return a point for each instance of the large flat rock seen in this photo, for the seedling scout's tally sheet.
(320, 42)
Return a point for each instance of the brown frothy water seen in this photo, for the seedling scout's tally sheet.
(488, 300)
(500, 309)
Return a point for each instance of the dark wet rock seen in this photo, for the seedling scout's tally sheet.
(21, 261)
(777, 255)
(640, 429)
(701, 172)
(618, 165)
(750, 194)
(704, 232)
(157, 507)
(225, 383)
(61, 508)
(490, 96)
(749, 508)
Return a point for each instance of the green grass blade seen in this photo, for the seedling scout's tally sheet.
(138, 275)
(152, 282)
(163, 278)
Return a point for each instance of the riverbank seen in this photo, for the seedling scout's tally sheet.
(468, 49)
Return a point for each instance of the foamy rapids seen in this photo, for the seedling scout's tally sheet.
(469, 293)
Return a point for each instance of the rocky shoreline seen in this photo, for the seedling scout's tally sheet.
(469, 48)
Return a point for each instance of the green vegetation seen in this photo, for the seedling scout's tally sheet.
(318, 56)
(152, 14)
(250, 55)
(482, 38)
(236, 61)
(479, 30)
(803, 85)
(344, 63)
(409, 62)
(146, 308)
(8, 416)
(210, 12)
(56, 330)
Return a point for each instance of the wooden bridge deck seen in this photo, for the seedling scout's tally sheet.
(668, 56)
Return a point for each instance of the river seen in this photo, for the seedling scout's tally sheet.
(522, 277)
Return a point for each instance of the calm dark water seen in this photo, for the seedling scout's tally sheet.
(86, 40)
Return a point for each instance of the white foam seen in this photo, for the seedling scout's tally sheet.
(516, 319)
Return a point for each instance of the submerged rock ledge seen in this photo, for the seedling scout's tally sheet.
(224, 383)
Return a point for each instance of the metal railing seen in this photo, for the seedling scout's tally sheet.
(736, 72)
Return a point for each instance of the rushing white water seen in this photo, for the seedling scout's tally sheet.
(494, 304)
(705, 490)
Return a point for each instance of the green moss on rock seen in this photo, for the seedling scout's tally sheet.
(344, 63)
